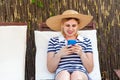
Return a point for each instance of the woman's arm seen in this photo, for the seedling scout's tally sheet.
(52, 61)
(53, 58)
(87, 60)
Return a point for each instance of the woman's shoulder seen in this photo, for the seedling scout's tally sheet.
(55, 38)
(83, 38)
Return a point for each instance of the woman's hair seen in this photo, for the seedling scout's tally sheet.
(67, 19)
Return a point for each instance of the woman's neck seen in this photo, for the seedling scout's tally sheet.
(70, 37)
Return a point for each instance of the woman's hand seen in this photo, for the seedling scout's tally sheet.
(64, 51)
(77, 49)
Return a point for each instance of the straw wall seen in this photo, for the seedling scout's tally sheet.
(106, 16)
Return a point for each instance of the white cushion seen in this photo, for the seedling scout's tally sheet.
(41, 42)
(12, 52)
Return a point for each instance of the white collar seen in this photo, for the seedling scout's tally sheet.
(61, 38)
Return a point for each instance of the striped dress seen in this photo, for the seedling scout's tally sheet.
(71, 62)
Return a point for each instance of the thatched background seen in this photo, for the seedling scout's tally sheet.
(106, 16)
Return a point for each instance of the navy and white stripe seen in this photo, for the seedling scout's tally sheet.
(73, 61)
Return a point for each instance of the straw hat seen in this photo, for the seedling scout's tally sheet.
(55, 22)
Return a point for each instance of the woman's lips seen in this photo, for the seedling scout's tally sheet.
(70, 32)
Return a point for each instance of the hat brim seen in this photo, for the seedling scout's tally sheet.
(55, 22)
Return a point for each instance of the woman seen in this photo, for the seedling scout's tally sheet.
(76, 61)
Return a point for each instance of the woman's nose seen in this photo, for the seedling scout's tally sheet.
(70, 28)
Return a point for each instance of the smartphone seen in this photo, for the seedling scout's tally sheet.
(71, 43)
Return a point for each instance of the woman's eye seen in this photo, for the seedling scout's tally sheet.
(73, 25)
(68, 25)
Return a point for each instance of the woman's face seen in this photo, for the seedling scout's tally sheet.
(70, 28)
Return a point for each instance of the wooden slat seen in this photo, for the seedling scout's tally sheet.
(11, 23)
